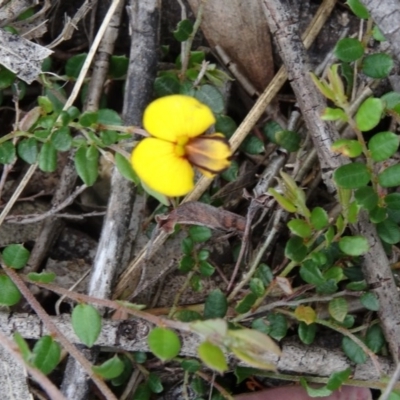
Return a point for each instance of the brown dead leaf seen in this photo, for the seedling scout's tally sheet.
(240, 29)
(195, 213)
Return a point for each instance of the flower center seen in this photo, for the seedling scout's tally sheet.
(181, 142)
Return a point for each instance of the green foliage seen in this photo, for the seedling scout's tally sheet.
(9, 293)
(110, 369)
(164, 343)
(349, 50)
(86, 322)
(15, 256)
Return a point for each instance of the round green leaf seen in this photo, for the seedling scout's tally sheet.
(392, 201)
(349, 49)
(216, 305)
(28, 150)
(183, 30)
(257, 287)
(106, 116)
(374, 338)
(225, 125)
(307, 332)
(7, 153)
(110, 369)
(43, 277)
(370, 301)
(366, 197)
(154, 383)
(319, 218)
(86, 164)
(377, 34)
(118, 66)
(377, 215)
(388, 231)
(337, 379)
(48, 157)
(199, 234)
(377, 65)
(295, 249)
(300, 228)
(108, 137)
(252, 145)
(45, 103)
(289, 140)
(310, 273)
(369, 114)
(125, 168)
(245, 304)
(88, 119)
(212, 97)
(86, 322)
(164, 343)
(353, 351)
(264, 273)
(74, 65)
(390, 176)
(231, 173)
(62, 139)
(353, 245)
(347, 147)
(212, 356)
(278, 326)
(391, 99)
(338, 308)
(205, 268)
(9, 293)
(190, 365)
(358, 8)
(15, 256)
(7, 78)
(46, 354)
(166, 85)
(186, 263)
(352, 176)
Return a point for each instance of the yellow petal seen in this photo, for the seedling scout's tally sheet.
(175, 116)
(209, 153)
(158, 166)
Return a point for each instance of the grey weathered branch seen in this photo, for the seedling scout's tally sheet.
(376, 266)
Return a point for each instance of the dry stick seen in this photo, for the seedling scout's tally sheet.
(46, 384)
(243, 130)
(52, 328)
(375, 266)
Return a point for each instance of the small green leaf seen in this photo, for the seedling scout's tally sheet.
(186, 263)
(377, 34)
(300, 228)
(205, 268)
(7, 153)
(295, 249)
(200, 234)
(315, 392)
(319, 218)
(289, 140)
(48, 157)
(125, 168)
(231, 173)
(118, 66)
(353, 245)
(46, 354)
(23, 346)
(7, 78)
(154, 383)
(338, 308)
(392, 201)
(334, 114)
(86, 164)
(377, 65)
(252, 145)
(377, 215)
(358, 9)
(187, 316)
(265, 274)
(43, 277)
(245, 304)
(190, 365)
(390, 177)
(374, 338)
(212, 356)
(110, 369)
(307, 332)
(62, 139)
(212, 97)
(337, 379)
(107, 116)
(164, 343)
(187, 245)
(74, 65)
(388, 231)
(183, 30)
(353, 351)
(15, 256)
(349, 49)
(28, 150)
(369, 114)
(370, 301)
(108, 137)
(347, 147)
(88, 119)
(366, 197)
(216, 305)
(257, 287)
(226, 125)
(166, 85)
(45, 103)
(278, 326)
(352, 176)
(86, 322)
(9, 293)
(391, 99)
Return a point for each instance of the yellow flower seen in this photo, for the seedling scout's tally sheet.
(164, 162)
